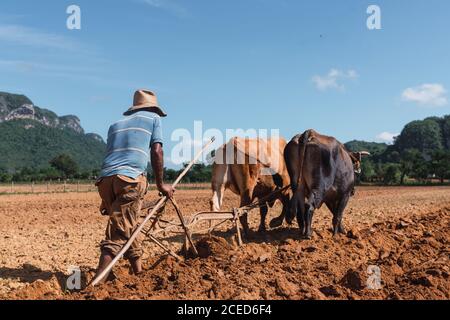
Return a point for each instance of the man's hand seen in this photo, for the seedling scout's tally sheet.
(157, 159)
(167, 190)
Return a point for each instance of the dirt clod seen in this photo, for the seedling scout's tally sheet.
(285, 288)
(354, 279)
(212, 246)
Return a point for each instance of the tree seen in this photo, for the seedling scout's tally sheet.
(446, 131)
(392, 174)
(425, 136)
(95, 173)
(440, 164)
(65, 164)
(408, 161)
(25, 174)
(421, 169)
(392, 156)
(198, 173)
(5, 176)
(379, 171)
(170, 174)
(374, 148)
(367, 170)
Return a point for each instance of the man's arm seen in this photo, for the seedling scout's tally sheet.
(157, 160)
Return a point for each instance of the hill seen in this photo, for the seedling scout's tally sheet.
(374, 148)
(425, 135)
(421, 152)
(32, 136)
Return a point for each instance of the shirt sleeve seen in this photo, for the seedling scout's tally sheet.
(157, 136)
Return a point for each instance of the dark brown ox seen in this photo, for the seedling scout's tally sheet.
(321, 171)
(252, 169)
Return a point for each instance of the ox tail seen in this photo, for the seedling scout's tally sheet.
(294, 156)
(303, 141)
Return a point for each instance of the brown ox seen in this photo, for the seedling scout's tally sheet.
(252, 169)
(321, 171)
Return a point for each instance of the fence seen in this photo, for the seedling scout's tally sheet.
(46, 187)
(73, 186)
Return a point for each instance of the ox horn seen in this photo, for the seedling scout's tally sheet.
(364, 153)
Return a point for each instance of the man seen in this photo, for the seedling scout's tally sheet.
(122, 185)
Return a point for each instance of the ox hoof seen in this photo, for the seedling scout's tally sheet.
(307, 236)
(276, 222)
(339, 231)
(262, 229)
(290, 221)
(246, 233)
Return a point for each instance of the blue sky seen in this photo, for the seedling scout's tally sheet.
(286, 64)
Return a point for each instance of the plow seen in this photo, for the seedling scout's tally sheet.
(154, 224)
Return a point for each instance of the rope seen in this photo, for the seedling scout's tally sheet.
(263, 201)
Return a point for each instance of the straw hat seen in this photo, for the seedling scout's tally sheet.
(145, 100)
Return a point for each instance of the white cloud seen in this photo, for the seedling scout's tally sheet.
(89, 73)
(428, 94)
(168, 5)
(32, 37)
(77, 61)
(334, 79)
(38, 67)
(386, 137)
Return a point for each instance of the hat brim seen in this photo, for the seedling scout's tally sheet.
(155, 109)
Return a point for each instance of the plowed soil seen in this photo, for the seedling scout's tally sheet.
(397, 247)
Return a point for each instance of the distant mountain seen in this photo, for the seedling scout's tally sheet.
(374, 148)
(426, 136)
(32, 136)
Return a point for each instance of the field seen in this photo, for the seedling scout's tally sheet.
(72, 186)
(402, 232)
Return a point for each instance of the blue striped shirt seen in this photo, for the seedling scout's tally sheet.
(129, 143)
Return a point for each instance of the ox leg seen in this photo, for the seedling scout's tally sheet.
(277, 221)
(217, 198)
(245, 200)
(262, 225)
(310, 206)
(244, 222)
(298, 206)
(308, 215)
(338, 213)
(285, 214)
